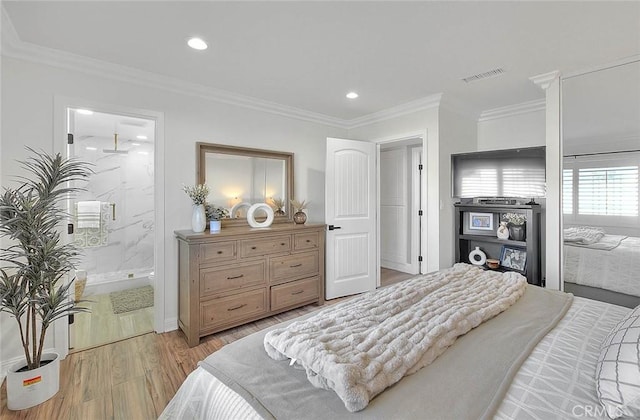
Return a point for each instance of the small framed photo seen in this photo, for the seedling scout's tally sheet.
(513, 258)
(480, 221)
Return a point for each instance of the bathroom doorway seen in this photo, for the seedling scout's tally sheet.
(113, 225)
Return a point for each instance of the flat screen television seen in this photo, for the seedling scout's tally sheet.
(510, 173)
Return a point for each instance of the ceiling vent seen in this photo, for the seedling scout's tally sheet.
(485, 75)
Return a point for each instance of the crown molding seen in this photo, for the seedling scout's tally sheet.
(12, 46)
(432, 101)
(512, 110)
(544, 80)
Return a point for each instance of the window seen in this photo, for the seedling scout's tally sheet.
(567, 191)
(611, 191)
(602, 189)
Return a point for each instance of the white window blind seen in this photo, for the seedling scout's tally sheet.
(608, 191)
(567, 191)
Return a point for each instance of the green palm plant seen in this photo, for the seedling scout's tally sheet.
(35, 265)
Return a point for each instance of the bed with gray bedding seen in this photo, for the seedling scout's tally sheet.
(524, 363)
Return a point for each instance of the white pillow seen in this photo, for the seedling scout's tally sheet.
(618, 368)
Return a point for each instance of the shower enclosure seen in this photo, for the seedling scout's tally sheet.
(114, 215)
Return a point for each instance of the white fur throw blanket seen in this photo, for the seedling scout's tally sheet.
(362, 346)
(584, 235)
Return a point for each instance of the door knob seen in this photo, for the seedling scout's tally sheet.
(331, 227)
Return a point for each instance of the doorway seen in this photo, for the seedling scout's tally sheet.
(113, 225)
(400, 198)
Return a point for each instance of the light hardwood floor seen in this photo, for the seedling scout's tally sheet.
(102, 326)
(134, 379)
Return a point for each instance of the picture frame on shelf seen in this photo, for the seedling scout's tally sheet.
(481, 221)
(514, 258)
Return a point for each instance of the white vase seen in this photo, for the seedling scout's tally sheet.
(32, 387)
(198, 219)
(215, 226)
(503, 231)
(477, 257)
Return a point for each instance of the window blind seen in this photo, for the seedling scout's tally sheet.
(567, 191)
(608, 191)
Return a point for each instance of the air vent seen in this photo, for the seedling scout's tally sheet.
(485, 75)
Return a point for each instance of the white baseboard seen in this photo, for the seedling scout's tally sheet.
(170, 324)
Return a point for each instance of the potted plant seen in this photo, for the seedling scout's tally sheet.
(34, 268)
(198, 195)
(214, 214)
(516, 222)
(299, 217)
(278, 206)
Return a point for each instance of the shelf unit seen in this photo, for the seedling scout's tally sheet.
(491, 245)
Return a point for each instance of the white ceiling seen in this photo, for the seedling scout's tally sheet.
(308, 55)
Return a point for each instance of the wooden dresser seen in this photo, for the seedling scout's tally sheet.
(241, 274)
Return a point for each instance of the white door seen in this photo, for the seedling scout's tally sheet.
(350, 211)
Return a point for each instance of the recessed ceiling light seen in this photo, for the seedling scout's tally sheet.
(197, 44)
(141, 137)
(135, 144)
(352, 95)
(143, 153)
(84, 111)
(91, 148)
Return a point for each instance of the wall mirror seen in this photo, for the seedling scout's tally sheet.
(239, 177)
(600, 184)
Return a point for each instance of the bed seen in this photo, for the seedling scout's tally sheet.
(555, 380)
(611, 263)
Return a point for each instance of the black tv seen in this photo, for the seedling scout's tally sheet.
(510, 173)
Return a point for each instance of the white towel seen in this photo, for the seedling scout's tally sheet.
(88, 213)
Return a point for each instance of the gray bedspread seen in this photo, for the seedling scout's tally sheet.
(467, 382)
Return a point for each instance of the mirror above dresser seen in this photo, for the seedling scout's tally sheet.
(239, 177)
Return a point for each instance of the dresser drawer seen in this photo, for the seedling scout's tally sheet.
(302, 241)
(223, 279)
(258, 247)
(298, 291)
(292, 267)
(217, 252)
(229, 309)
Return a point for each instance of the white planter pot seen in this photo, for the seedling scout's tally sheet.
(32, 387)
(198, 219)
(215, 226)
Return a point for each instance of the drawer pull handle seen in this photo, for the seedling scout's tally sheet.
(297, 293)
(282, 244)
(254, 247)
(235, 277)
(295, 265)
(308, 240)
(237, 307)
(219, 252)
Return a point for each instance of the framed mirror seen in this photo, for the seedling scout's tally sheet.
(239, 177)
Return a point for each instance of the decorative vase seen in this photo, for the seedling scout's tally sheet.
(279, 212)
(198, 219)
(503, 231)
(215, 226)
(477, 256)
(29, 388)
(299, 217)
(516, 232)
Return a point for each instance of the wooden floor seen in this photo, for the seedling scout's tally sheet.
(134, 379)
(102, 326)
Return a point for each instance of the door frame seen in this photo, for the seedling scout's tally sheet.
(61, 103)
(430, 255)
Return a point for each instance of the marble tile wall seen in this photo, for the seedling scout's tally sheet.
(125, 180)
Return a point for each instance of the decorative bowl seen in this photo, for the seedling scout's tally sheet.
(493, 264)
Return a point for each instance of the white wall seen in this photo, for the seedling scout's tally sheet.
(521, 130)
(28, 91)
(458, 133)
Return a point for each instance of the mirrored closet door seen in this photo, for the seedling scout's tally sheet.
(600, 188)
